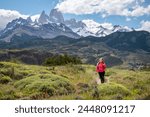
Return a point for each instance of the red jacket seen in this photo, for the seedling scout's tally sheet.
(101, 66)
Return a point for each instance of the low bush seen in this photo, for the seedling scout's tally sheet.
(45, 84)
(7, 92)
(113, 91)
(110, 72)
(5, 79)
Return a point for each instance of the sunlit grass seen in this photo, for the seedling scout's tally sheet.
(21, 81)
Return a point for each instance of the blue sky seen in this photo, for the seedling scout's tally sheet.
(28, 7)
(131, 13)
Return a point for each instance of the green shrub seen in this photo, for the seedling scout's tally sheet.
(19, 75)
(7, 92)
(5, 79)
(2, 65)
(13, 73)
(8, 72)
(113, 91)
(45, 84)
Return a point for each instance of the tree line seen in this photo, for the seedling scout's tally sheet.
(62, 60)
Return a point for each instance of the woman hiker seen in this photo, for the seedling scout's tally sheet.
(100, 68)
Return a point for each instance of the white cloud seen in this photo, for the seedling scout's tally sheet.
(35, 17)
(107, 25)
(145, 25)
(77, 6)
(8, 15)
(105, 7)
(94, 26)
(91, 22)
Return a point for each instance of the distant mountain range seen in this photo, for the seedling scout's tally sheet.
(54, 24)
(130, 49)
(91, 28)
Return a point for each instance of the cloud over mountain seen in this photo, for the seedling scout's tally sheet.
(145, 25)
(8, 15)
(130, 8)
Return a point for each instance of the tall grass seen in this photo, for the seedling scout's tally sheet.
(21, 81)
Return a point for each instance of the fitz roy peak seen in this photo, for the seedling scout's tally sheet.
(53, 25)
(56, 16)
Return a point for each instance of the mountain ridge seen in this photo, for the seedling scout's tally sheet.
(129, 48)
(54, 24)
(44, 30)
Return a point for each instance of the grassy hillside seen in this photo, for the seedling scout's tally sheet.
(20, 81)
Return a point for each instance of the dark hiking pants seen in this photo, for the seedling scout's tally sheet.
(101, 76)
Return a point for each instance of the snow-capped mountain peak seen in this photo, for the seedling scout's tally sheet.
(54, 25)
(16, 22)
(56, 16)
(43, 27)
(44, 18)
(118, 28)
(35, 17)
(92, 28)
(73, 23)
